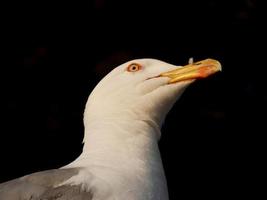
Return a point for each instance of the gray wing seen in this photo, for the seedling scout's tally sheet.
(41, 186)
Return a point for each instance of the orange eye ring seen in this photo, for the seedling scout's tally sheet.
(134, 67)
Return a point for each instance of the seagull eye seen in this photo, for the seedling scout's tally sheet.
(134, 67)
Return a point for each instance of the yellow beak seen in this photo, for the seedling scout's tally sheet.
(196, 70)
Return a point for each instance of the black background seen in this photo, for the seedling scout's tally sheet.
(55, 52)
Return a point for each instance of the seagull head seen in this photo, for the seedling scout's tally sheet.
(144, 89)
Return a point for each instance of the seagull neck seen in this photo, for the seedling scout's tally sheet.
(118, 140)
(114, 131)
(124, 155)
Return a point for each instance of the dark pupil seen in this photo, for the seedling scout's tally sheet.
(134, 67)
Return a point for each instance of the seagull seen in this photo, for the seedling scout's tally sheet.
(122, 121)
